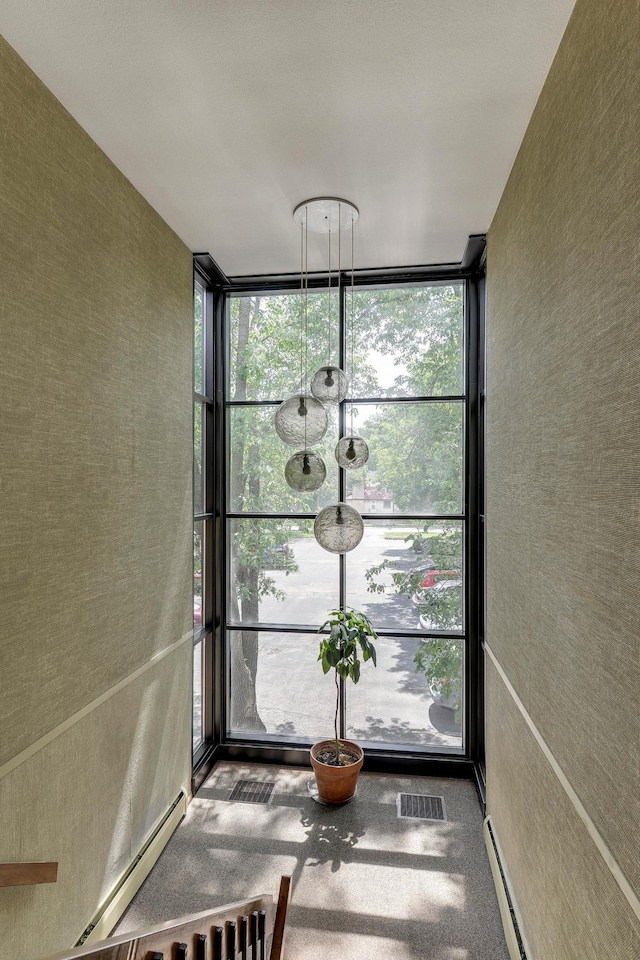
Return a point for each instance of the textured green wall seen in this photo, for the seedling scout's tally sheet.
(571, 906)
(563, 482)
(96, 508)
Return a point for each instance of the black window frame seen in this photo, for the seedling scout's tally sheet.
(204, 633)
(469, 764)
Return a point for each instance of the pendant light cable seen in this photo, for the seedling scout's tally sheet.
(301, 308)
(306, 309)
(353, 334)
(339, 268)
(329, 359)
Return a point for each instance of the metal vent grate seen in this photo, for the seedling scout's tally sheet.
(252, 791)
(415, 806)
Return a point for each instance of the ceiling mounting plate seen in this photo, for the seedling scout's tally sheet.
(324, 214)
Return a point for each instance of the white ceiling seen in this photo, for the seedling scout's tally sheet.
(225, 114)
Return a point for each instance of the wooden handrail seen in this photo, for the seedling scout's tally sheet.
(281, 916)
(233, 930)
(28, 872)
(236, 929)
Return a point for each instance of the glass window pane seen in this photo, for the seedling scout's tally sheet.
(279, 573)
(197, 695)
(407, 341)
(198, 529)
(266, 332)
(413, 696)
(257, 458)
(198, 458)
(408, 576)
(198, 338)
(262, 702)
(415, 458)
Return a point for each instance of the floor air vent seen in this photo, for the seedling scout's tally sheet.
(415, 806)
(252, 791)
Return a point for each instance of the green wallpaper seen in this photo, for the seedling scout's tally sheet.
(96, 426)
(96, 518)
(563, 448)
(88, 800)
(571, 907)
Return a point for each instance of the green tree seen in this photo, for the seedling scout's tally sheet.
(415, 449)
(266, 363)
(417, 455)
(438, 658)
(420, 328)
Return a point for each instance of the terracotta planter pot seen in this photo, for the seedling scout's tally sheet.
(336, 784)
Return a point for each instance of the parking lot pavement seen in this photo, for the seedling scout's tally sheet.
(391, 704)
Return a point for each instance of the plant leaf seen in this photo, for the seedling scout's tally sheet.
(333, 656)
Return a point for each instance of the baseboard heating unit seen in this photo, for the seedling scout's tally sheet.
(131, 880)
(509, 920)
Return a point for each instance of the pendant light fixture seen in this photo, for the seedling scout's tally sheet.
(329, 384)
(305, 471)
(338, 528)
(352, 451)
(331, 216)
(302, 420)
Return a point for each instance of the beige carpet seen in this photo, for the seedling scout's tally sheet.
(365, 883)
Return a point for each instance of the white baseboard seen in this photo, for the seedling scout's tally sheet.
(505, 900)
(133, 877)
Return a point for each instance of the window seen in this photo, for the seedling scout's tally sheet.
(409, 403)
(202, 506)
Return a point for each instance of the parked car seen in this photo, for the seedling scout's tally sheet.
(432, 577)
(423, 568)
(278, 558)
(441, 606)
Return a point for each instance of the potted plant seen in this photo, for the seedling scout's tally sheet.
(336, 763)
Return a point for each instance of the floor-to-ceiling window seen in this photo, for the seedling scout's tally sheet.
(404, 348)
(203, 424)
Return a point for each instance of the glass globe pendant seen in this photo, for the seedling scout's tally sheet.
(305, 471)
(330, 384)
(338, 528)
(352, 452)
(301, 421)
